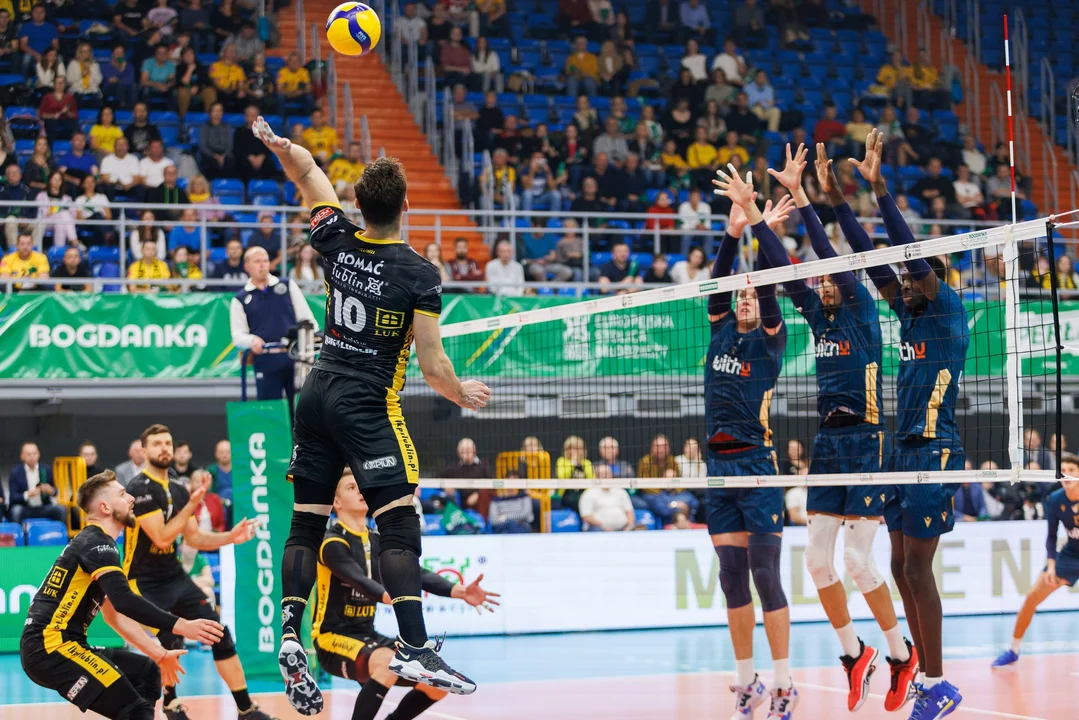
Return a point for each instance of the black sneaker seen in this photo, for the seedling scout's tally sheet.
(423, 665)
(176, 711)
(254, 713)
(300, 688)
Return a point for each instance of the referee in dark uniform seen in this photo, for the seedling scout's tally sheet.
(88, 577)
(381, 296)
(263, 312)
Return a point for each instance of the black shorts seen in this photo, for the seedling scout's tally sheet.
(341, 420)
(91, 678)
(180, 596)
(346, 656)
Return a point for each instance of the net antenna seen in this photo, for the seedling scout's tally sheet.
(1011, 290)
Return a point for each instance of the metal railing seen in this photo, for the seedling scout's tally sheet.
(468, 150)
(1023, 149)
(379, 6)
(301, 23)
(974, 28)
(396, 60)
(331, 89)
(998, 118)
(973, 99)
(348, 113)
(1020, 36)
(1049, 163)
(1073, 188)
(448, 138)
(365, 139)
(901, 24)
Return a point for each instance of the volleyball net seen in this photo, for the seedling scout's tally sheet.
(573, 379)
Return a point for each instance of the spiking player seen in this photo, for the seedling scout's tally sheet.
(1061, 568)
(851, 439)
(744, 359)
(349, 592)
(381, 295)
(933, 348)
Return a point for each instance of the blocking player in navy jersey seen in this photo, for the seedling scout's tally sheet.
(348, 593)
(381, 296)
(850, 439)
(1061, 566)
(933, 348)
(88, 578)
(744, 359)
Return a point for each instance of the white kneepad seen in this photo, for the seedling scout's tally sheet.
(820, 551)
(858, 555)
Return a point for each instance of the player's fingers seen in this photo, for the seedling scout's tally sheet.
(773, 173)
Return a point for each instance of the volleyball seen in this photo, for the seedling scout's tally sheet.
(353, 29)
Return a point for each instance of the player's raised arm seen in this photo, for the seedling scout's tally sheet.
(299, 166)
(438, 370)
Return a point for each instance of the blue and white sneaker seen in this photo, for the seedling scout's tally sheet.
(423, 665)
(936, 702)
(749, 697)
(783, 703)
(300, 688)
(1006, 658)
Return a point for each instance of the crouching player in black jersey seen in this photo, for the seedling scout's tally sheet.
(348, 592)
(86, 578)
(381, 295)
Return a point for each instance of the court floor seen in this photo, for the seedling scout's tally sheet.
(659, 675)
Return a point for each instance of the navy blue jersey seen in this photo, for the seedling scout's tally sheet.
(932, 350)
(1059, 509)
(848, 355)
(739, 378)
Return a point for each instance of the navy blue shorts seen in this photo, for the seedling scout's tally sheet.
(924, 511)
(855, 449)
(755, 510)
(1068, 567)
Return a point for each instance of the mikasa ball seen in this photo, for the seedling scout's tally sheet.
(353, 29)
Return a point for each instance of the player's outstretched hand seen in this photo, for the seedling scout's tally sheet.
(776, 216)
(734, 187)
(824, 169)
(791, 177)
(262, 130)
(874, 149)
(198, 491)
(203, 631)
(736, 220)
(474, 395)
(170, 667)
(244, 531)
(477, 597)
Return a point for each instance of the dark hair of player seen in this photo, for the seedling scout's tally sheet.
(1068, 458)
(155, 429)
(938, 268)
(182, 443)
(380, 192)
(88, 491)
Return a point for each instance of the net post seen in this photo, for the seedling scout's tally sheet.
(1011, 119)
(1053, 294)
(1011, 361)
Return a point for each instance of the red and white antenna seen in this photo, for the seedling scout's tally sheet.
(1011, 121)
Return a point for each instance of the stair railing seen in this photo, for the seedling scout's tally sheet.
(487, 193)
(1073, 183)
(379, 6)
(1049, 163)
(973, 93)
(1023, 149)
(901, 23)
(468, 150)
(348, 113)
(365, 139)
(331, 90)
(997, 114)
(412, 84)
(974, 28)
(880, 11)
(397, 73)
(1020, 35)
(429, 108)
(449, 138)
(921, 20)
(1048, 98)
(301, 23)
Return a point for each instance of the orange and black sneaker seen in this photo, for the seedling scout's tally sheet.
(859, 671)
(903, 674)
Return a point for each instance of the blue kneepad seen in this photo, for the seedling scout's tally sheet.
(734, 575)
(764, 553)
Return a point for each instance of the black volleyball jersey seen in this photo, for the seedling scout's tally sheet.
(144, 559)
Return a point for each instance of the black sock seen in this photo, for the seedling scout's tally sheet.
(243, 700)
(400, 571)
(169, 696)
(369, 700)
(299, 567)
(411, 705)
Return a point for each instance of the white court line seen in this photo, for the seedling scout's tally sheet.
(961, 708)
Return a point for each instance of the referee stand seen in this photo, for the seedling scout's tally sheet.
(303, 347)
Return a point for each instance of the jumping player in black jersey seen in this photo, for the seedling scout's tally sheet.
(348, 592)
(164, 509)
(381, 296)
(86, 578)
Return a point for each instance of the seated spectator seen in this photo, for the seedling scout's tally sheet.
(268, 237)
(25, 262)
(715, 127)
(857, 132)
(73, 266)
(539, 188)
(93, 205)
(762, 100)
(611, 187)
(731, 62)
(672, 160)
(486, 65)
(129, 19)
(1067, 279)
(193, 83)
(611, 143)
(720, 91)
(120, 172)
(695, 61)
(183, 267)
(31, 491)
(226, 20)
(681, 521)
(686, 91)
(620, 270)
(574, 463)
(57, 213)
(933, 184)
(796, 500)
(513, 141)
(657, 274)
(608, 453)
(505, 177)
(635, 182)
(60, 111)
(662, 22)
(973, 157)
(702, 159)
(575, 18)
(469, 466)
(581, 71)
(39, 166)
(925, 84)
(564, 261)
(659, 462)
(215, 145)
(308, 267)
(695, 266)
(320, 138)
(695, 22)
(690, 463)
(158, 77)
(148, 267)
(252, 158)
(433, 254)
(118, 86)
(796, 457)
(186, 233)
(491, 14)
(893, 79)
(970, 503)
(84, 77)
(607, 508)
(731, 148)
(664, 214)
(146, 229)
(455, 60)
(612, 70)
(141, 132)
(294, 86)
(77, 164)
(9, 49)
(920, 136)
(260, 85)
(998, 189)
(35, 37)
(589, 202)
(195, 20)
(740, 118)
(105, 132)
(231, 269)
(749, 24)
(511, 511)
(152, 167)
(649, 153)
(198, 192)
(409, 27)
(247, 42)
(13, 188)
(229, 80)
(586, 120)
(831, 131)
(347, 169)
(463, 268)
(503, 274)
(968, 193)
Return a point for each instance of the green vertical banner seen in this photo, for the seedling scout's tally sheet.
(261, 440)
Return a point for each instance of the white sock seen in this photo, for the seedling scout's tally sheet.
(897, 647)
(745, 671)
(781, 675)
(849, 640)
(1016, 642)
(929, 682)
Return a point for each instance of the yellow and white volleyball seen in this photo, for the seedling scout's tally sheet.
(353, 29)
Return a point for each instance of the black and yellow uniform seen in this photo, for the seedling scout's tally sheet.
(157, 574)
(348, 593)
(349, 410)
(54, 649)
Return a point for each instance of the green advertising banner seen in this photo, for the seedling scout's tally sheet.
(22, 570)
(72, 336)
(261, 447)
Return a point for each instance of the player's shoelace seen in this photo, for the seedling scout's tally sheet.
(781, 703)
(745, 695)
(921, 699)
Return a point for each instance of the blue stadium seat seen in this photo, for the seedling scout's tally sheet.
(124, 117)
(60, 147)
(56, 255)
(9, 80)
(290, 196)
(19, 110)
(432, 525)
(263, 187)
(218, 255)
(48, 532)
(565, 520)
(101, 254)
(193, 134)
(15, 530)
(164, 117)
(232, 119)
(645, 518)
(227, 186)
(196, 119)
(170, 136)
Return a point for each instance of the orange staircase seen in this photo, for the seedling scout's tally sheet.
(1040, 165)
(392, 127)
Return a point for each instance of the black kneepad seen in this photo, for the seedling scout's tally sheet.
(307, 529)
(139, 711)
(764, 551)
(224, 648)
(399, 529)
(148, 681)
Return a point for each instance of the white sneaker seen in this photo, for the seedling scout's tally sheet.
(300, 688)
(749, 697)
(423, 665)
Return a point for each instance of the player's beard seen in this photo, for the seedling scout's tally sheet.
(125, 517)
(160, 463)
